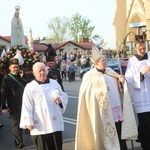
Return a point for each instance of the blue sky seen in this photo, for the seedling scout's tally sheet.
(36, 14)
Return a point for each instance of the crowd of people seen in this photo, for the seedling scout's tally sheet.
(105, 117)
(71, 64)
(34, 105)
(20, 100)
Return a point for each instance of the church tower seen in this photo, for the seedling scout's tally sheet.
(30, 41)
(120, 20)
(132, 21)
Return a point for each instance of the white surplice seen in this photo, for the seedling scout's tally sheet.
(140, 90)
(40, 110)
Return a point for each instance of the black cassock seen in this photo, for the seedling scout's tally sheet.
(51, 141)
(55, 74)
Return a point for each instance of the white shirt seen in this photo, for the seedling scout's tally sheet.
(40, 110)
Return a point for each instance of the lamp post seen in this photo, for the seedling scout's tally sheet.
(124, 41)
(144, 34)
(118, 45)
(147, 39)
(125, 38)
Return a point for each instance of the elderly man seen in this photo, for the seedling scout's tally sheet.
(11, 98)
(100, 111)
(42, 108)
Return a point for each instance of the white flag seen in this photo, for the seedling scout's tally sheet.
(3, 53)
(19, 57)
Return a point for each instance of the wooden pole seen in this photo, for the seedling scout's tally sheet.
(118, 45)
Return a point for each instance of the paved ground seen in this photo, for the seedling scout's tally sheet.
(6, 139)
(7, 143)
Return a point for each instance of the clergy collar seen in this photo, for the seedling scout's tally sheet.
(39, 82)
(140, 58)
(101, 70)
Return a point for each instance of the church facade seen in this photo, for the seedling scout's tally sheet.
(131, 22)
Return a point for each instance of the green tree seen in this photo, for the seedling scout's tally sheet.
(80, 27)
(58, 29)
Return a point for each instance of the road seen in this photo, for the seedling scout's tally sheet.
(70, 116)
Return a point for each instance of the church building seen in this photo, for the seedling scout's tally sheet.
(131, 22)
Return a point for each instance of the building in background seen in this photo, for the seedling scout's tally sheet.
(131, 22)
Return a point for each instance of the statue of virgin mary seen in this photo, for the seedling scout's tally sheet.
(17, 34)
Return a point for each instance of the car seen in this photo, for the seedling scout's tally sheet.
(112, 63)
(123, 64)
(83, 71)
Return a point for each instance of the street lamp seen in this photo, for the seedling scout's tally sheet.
(118, 45)
(124, 41)
(131, 32)
(144, 34)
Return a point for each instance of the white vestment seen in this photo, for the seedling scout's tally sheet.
(115, 99)
(40, 110)
(140, 90)
(3, 53)
(95, 122)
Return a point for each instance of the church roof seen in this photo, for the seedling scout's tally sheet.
(83, 45)
(37, 46)
(8, 38)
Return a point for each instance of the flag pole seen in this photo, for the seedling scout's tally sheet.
(118, 45)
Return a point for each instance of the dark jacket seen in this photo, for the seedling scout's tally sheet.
(11, 93)
(1, 77)
(55, 74)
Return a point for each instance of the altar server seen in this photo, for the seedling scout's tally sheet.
(138, 78)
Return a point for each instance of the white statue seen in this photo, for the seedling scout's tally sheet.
(17, 34)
